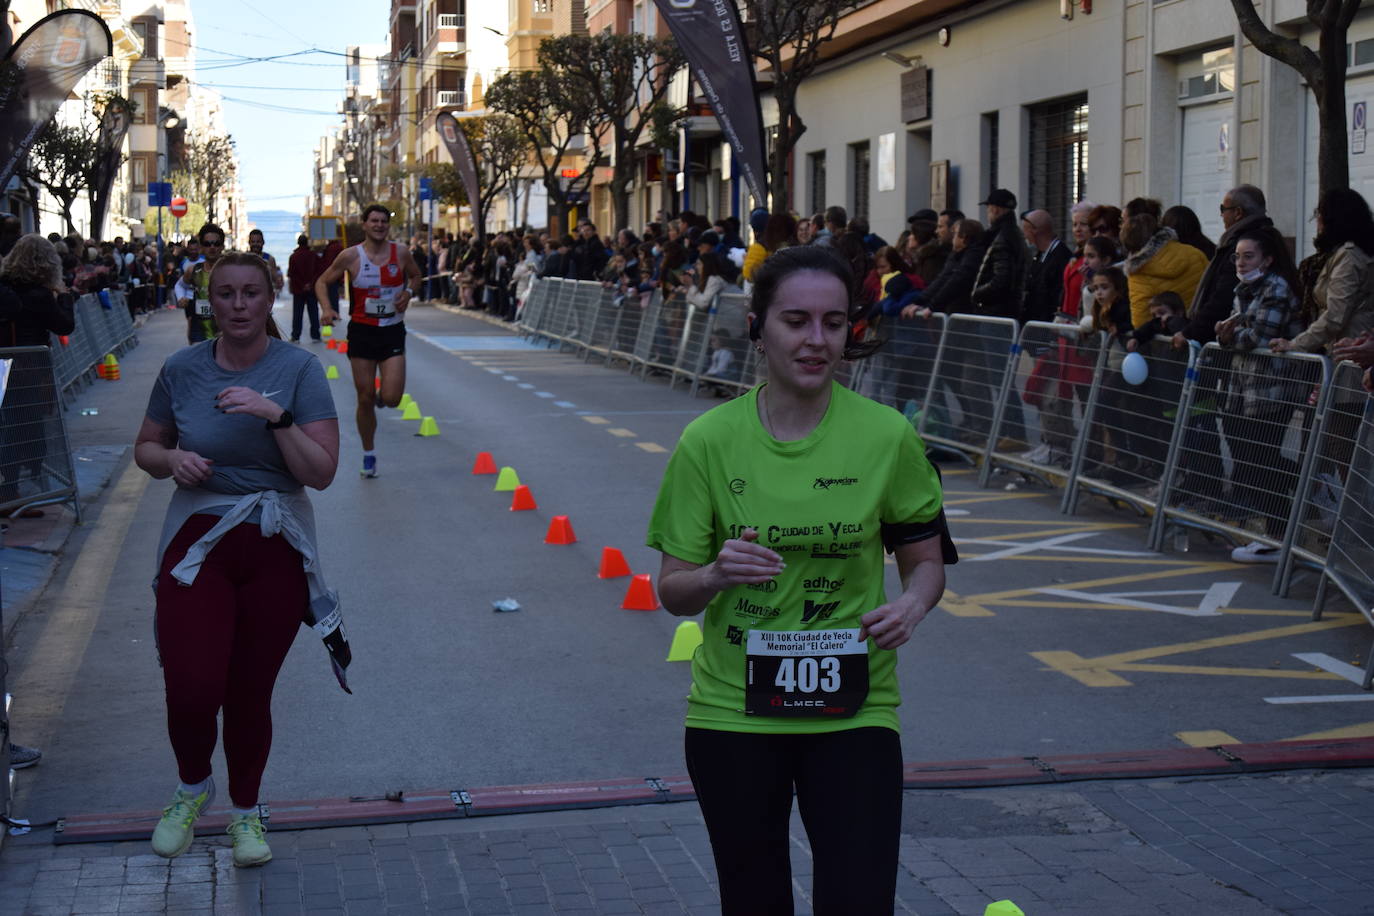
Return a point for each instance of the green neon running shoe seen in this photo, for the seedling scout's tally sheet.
(250, 847)
(175, 831)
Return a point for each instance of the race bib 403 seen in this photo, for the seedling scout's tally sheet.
(818, 673)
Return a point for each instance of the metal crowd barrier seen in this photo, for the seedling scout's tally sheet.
(36, 467)
(1349, 564)
(1127, 430)
(1238, 462)
(969, 383)
(100, 329)
(1327, 458)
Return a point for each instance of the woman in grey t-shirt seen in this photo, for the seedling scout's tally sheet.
(243, 424)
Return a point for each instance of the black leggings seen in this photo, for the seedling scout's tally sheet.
(849, 791)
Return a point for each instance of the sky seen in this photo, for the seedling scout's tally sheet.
(276, 146)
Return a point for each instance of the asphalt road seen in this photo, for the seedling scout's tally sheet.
(1128, 649)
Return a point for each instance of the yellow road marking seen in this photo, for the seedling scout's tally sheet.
(993, 497)
(597, 421)
(52, 667)
(651, 447)
(1234, 672)
(1210, 738)
(1193, 567)
(621, 432)
(1098, 672)
(1109, 606)
(1362, 730)
(956, 606)
(1051, 532)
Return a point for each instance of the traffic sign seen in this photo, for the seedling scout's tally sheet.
(178, 207)
(159, 193)
(426, 189)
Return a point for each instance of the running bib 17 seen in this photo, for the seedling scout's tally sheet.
(381, 301)
(203, 309)
(820, 673)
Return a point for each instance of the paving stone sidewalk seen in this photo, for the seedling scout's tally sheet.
(1293, 843)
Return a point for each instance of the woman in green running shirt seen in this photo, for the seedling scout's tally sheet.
(773, 515)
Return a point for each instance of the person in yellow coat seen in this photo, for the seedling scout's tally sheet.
(1157, 262)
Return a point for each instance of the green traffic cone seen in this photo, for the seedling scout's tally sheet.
(506, 481)
(686, 638)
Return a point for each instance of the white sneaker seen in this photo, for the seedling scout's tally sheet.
(1255, 552)
(1038, 455)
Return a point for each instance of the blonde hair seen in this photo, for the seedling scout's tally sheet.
(249, 259)
(33, 261)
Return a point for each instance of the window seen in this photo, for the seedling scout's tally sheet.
(1058, 155)
(1208, 73)
(543, 7)
(860, 162)
(815, 179)
(138, 173)
(990, 144)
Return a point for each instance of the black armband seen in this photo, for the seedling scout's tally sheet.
(895, 535)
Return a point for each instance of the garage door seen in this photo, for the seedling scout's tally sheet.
(1357, 89)
(1205, 170)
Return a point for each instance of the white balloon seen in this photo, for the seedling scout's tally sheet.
(1134, 369)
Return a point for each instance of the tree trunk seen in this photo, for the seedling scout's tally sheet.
(777, 166)
(559, 225)
(620, 201)
(1333, 158)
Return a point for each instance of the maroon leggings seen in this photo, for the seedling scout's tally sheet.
(222, 640)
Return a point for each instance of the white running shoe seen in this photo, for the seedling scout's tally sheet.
(1255, 552)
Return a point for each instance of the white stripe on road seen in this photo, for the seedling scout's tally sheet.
(1334, 665)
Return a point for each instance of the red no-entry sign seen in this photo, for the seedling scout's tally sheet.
(178, 207)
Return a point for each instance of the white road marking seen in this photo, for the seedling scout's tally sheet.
(1016, 548)
(1334, 665)
(1334, 698)
(1214, 598)
(525, 385)
(510, 378)
(495, 371)
(566, 404)
(545, 394)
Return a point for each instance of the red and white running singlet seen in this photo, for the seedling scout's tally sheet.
(374, 290)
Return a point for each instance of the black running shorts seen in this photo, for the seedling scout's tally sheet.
(378, 344)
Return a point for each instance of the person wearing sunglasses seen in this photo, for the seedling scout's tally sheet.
(193, 289)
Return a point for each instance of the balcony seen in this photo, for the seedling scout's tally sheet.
(451, 98)
(451, 21)
(448, 38)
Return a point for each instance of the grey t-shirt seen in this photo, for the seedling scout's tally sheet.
(245, 453)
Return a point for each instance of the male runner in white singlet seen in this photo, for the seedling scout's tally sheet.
(383, 277)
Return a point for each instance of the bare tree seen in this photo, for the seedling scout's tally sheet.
(208, 166)
(63, 162)
(788, 35)
(624, 77)
(1323, 70)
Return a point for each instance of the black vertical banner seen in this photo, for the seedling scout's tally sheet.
(461, 152)
(114, 124)
(712, 38)
(39, 72)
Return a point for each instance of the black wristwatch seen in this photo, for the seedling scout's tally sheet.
(281, 422)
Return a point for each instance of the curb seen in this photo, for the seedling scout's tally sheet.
(495, 801)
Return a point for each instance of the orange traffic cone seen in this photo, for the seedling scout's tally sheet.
(560, 531)
(484, 464)
(523, 499)
(613, 564)
(331, 344)
(640, 595)
(343, 346)
(65, 339)
(376, 384)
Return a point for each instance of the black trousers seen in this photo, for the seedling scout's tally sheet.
(849, 792)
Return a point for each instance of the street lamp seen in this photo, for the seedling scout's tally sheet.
(166, 121)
